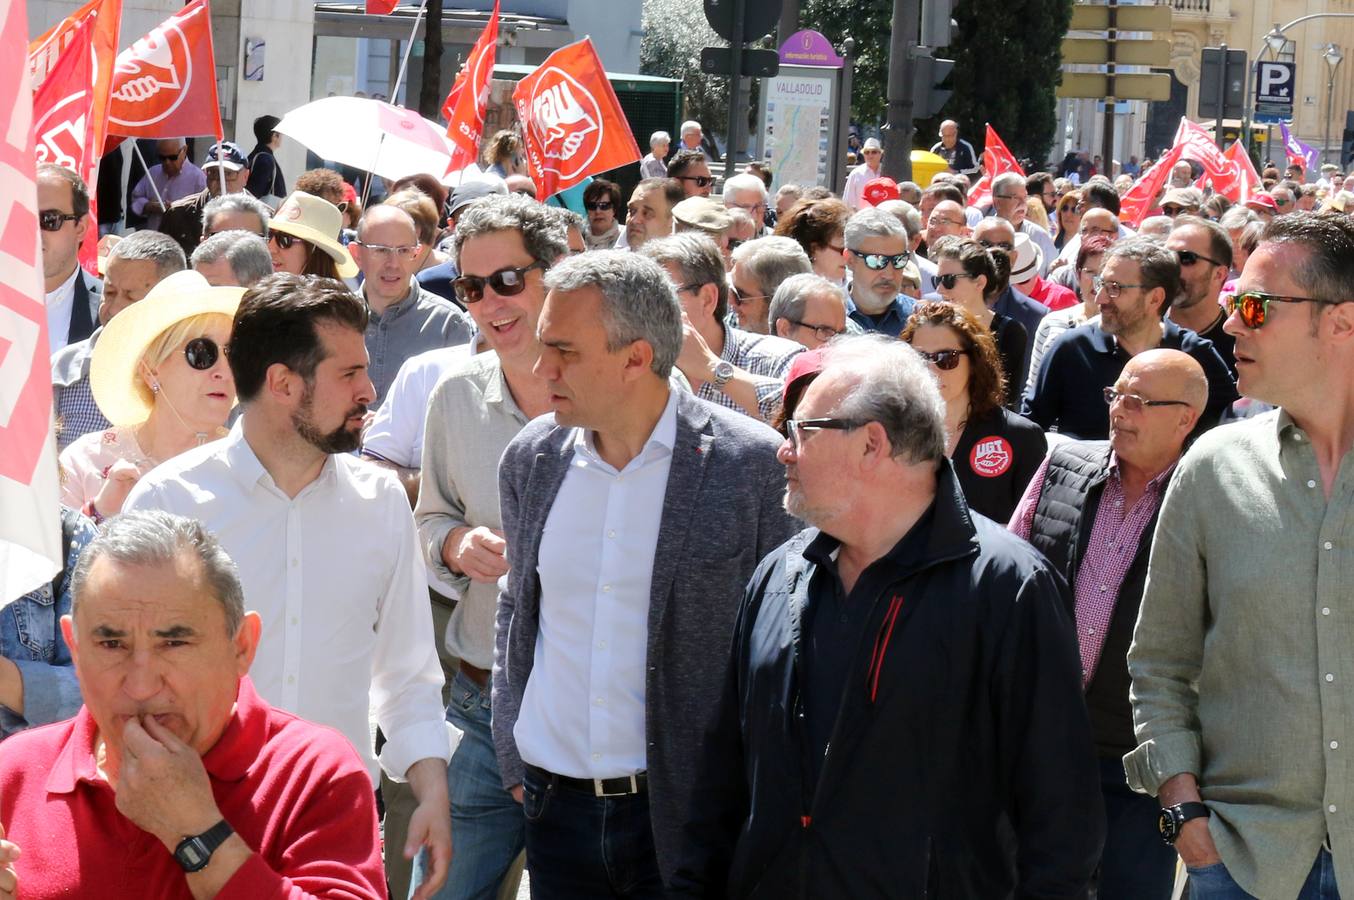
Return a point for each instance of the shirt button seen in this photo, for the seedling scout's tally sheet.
(601, 645)
(1311, 483)
(291, 679)
(597, 756)
(611, 533)
(1103, 588)
(295, 563)
(294, 620)
(1335, 745)
(1330, 808)
(1325, 610)
(1090, 631)
(606, 589)
(1330, 677)
(1327, 545)
(600, 702)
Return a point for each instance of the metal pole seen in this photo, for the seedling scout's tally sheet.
(1246, 119)
(735, 87)
(1330, 109)
(897, 162)
(136, 148)
(838, 174)
(1107, 138)
(1222, 93)
(404, 63)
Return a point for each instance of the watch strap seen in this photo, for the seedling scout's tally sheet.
(195, 852)
(1192, 810)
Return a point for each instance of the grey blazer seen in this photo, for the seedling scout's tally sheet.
(722, 513)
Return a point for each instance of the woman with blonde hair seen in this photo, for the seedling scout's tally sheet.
(1066, 219)
(159, 375)
(503, 154)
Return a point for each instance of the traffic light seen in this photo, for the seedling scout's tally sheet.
(928, 97)
(937, 27)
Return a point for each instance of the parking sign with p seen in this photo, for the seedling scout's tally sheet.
(1274, 83)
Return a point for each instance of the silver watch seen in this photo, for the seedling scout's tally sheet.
(723, 372)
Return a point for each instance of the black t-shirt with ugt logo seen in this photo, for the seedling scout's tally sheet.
(996, 457)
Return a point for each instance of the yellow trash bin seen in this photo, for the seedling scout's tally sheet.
(925, 165)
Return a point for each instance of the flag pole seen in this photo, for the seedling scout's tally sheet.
(408, 50)
(136, 148)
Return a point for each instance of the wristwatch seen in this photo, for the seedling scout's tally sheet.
(723, 372)
(1173, 818)
(193, 853)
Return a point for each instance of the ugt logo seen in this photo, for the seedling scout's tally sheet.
(570, 119)
(152, 77)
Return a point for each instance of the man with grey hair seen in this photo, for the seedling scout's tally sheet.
(633, 519)
(233, 258)
(227, 170)
(910, 216)
(691, 135)
(876, 253)
(654, 165)
(808, 309)
(900, 601)
(173, 179)
(748, 193)
(136, 264)
(174, 758)
(235, 212)
(758, 269)
(1010, 199)
(729, 366)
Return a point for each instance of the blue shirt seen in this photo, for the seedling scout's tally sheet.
(890, 321)
(30, 637)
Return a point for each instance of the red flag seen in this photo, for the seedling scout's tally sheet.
(572, 123)
(1142, 197)
(1197, 144)
(381, 7)
(1241, 181)
(997, 160)
(469, 98)
(165, 83)
(30, 524)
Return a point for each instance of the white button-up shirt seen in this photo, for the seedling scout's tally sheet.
(582, 711)
(60, 305)
(336, 576)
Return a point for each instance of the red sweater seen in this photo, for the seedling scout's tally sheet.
(1049, 293)
(295, 792)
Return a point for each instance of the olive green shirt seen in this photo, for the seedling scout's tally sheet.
(1243, 657)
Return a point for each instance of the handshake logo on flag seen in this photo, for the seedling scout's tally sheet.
(570, 127)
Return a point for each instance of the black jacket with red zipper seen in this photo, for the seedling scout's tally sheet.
(961, 762)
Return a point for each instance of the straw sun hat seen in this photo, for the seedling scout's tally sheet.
(316, 220)
(113, 367)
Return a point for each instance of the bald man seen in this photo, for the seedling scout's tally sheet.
(1092, 506)
(404, 319)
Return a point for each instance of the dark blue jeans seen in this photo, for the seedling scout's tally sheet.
(1215, 882)
(1136, 863)
(581, 847)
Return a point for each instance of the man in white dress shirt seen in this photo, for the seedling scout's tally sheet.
(72, 294)
(326, 543)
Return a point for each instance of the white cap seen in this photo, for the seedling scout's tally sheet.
(872, 144)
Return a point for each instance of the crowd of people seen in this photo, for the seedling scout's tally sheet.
(709, 542)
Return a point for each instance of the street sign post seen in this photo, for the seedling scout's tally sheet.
(1274, 83)
(759, 17)
(755, 63)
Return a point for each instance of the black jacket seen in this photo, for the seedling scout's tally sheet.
(1064, 518)
(996, 457)
(970, 774)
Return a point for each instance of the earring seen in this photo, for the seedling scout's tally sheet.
(155, 387)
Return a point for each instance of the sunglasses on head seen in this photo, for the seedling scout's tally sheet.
(945, 360)
(880, 261)
(1252, 307)
(506, 282)
(598, 206)
(1189, 258)
(949, 281)
(53, 219)
(202, 353)
(701, 180)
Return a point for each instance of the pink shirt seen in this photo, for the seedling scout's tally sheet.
(85, 463)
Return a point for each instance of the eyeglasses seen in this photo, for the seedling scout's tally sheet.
(1112, 289)
(740, 298)
(949, 281)
(1009, 197)
(381, 251)
(1189, 258)
(598, 206)
(1103, 232)
(1003, 245)
(941, 220)
(54, 219)
(794, 428)
(282, 239)
(746, 207)
(170, 157)
(1174, 210)
(1253, 306)
(701, 180)
(880, 261)
(506, 282)
(823, 332)
(944, 360)
(202, 353)
(1135, 403)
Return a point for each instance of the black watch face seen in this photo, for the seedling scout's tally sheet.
(1166, 825)
(192, 855)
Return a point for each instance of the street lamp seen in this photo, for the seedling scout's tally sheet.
(1333, 58)
(1275, 41)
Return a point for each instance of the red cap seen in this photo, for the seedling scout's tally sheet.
(1263, 200)
(803, 369)
(349, 192)
(877, 190)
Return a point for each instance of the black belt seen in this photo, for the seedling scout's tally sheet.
(623, 786)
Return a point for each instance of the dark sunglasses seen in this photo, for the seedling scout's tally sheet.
(1004, 245)
(202, 353)
(1173, 210)
(1189, 258)
(54, 219)
(701, 180)
(170, 157)
(283, 239)
(1135, 403)
(949, 281)
(507, 282)
(1253, 306)
(881, 261)
(598, 206)
(944, 360)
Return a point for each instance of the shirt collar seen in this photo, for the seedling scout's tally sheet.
(496, 391)
(399, 307)
(661, 440)
(1157, 484)
(243, 463)
(67, 286)
(229, 758)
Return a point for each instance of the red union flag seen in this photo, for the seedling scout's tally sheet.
(164, 85)
(1142, 197)
(1242, 180)
(30, 524)
(61, 107)
(997, 160)
(469, 98)
(381, 7)
(572, 123)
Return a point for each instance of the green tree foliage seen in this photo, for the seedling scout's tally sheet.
(1007, 66)
(674, 33)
